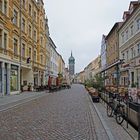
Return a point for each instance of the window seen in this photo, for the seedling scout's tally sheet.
(15, 17)
(132, 53)
(122, 36)
(0, 5)
(5, 7)
(41, 41)
(131, 30)
(41, 59)
(23, 25)
(35, 35)
(5, 40)
(34, 55)
(35, 15)
(138, 45)
(23, 50)
(0, 38)
(15, 46)
(138, 24)
(132, 77)
(30, 30)
(126, 34)
(30, 53)
(127, 55)
(123, 55)
(23, 3)
(30, 9)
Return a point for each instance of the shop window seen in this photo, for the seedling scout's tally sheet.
(14, 78)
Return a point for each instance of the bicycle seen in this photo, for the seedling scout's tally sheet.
(127, 98)
(117, 110)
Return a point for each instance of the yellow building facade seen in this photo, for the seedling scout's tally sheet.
(23, 39)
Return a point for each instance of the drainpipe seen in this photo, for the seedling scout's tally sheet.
(20, 78)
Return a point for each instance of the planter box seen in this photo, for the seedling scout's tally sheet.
(134, 106)
(95, 99)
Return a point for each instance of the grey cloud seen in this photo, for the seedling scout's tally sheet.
(78, 25)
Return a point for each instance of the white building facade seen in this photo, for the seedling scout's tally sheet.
(129, 45)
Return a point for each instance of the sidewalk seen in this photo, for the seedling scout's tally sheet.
(118, 131)
(10, 100)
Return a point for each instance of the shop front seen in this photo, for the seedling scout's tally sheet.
(14, 78)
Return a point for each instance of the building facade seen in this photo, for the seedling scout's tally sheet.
(54, 63)
(129, 45)
(112, 56)
(103, 52)
(22, 45)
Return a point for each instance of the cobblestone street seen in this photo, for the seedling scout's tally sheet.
(64, 115)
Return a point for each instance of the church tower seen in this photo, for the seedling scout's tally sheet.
(71, 65)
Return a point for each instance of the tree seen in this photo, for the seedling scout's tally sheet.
(98, 82)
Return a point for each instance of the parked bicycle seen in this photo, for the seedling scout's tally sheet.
(114, 107)
(127, 98)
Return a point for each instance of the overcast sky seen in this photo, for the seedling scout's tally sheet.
(78, 25)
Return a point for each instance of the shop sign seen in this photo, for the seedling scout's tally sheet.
(125, 65)
(13, 72)
(14, 67)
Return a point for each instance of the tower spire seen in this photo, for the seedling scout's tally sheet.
(71, 53)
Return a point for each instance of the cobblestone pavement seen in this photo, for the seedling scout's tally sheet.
(63, 115)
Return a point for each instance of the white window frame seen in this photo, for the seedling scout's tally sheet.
(15, 21)
(23, 28)
(17, 45)
(138, 24)
(30, 33)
